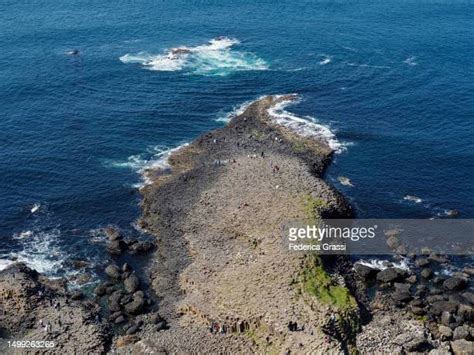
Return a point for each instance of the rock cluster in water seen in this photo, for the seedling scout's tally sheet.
(443, 304)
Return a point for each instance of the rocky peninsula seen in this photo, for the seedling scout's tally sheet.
(218, 279)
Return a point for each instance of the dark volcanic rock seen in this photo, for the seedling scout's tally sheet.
(435, 291)
(161, 325)
(419, 344)
(466, 313)
(422, 262)
(113, 301)
(136, 306)
(438, 280)
(391, 275)
(419, 311)
(461, 332)
(115, 247)
(112, 233)
(114, 316)
(131, 283)
(426, 273)
(441, 259)
(446, 318)
(113, 271)
(445, 332)
(454, 283)
(132, 330)
(77, 295)
(100, 290)
(402, 293)
(119, 319)
(140, 247)
(438, 307)
(364, 271)
(469, 296)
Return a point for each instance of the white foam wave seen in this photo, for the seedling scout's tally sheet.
(305, 126)
(379, 264)
(213, 58)
(35, 208)
(326, 60)
(23, 234)
(236, 111)
(40, 251)
(145, 164)
(412, 198)
(410, 61)
(155, 62)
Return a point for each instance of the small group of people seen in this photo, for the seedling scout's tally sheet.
(216, 328)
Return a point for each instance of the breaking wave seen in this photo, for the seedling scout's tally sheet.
(217, 57)
(236, 111)
(155, 159)
(380, 264)
(325, 60)
(305, 126)
(40, 251)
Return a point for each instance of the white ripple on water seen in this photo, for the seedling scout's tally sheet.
(411, 61)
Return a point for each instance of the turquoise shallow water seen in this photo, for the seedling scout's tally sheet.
(392, 80)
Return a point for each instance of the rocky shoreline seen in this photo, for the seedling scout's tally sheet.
(219, 279)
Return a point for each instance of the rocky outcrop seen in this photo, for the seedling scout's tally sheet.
(36, 308)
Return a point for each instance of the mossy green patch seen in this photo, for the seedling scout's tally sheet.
(313, 207)
(316, 282)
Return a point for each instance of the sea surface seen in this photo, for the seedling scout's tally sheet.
(91, 94)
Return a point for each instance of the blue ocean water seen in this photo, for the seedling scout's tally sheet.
(393, 80)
